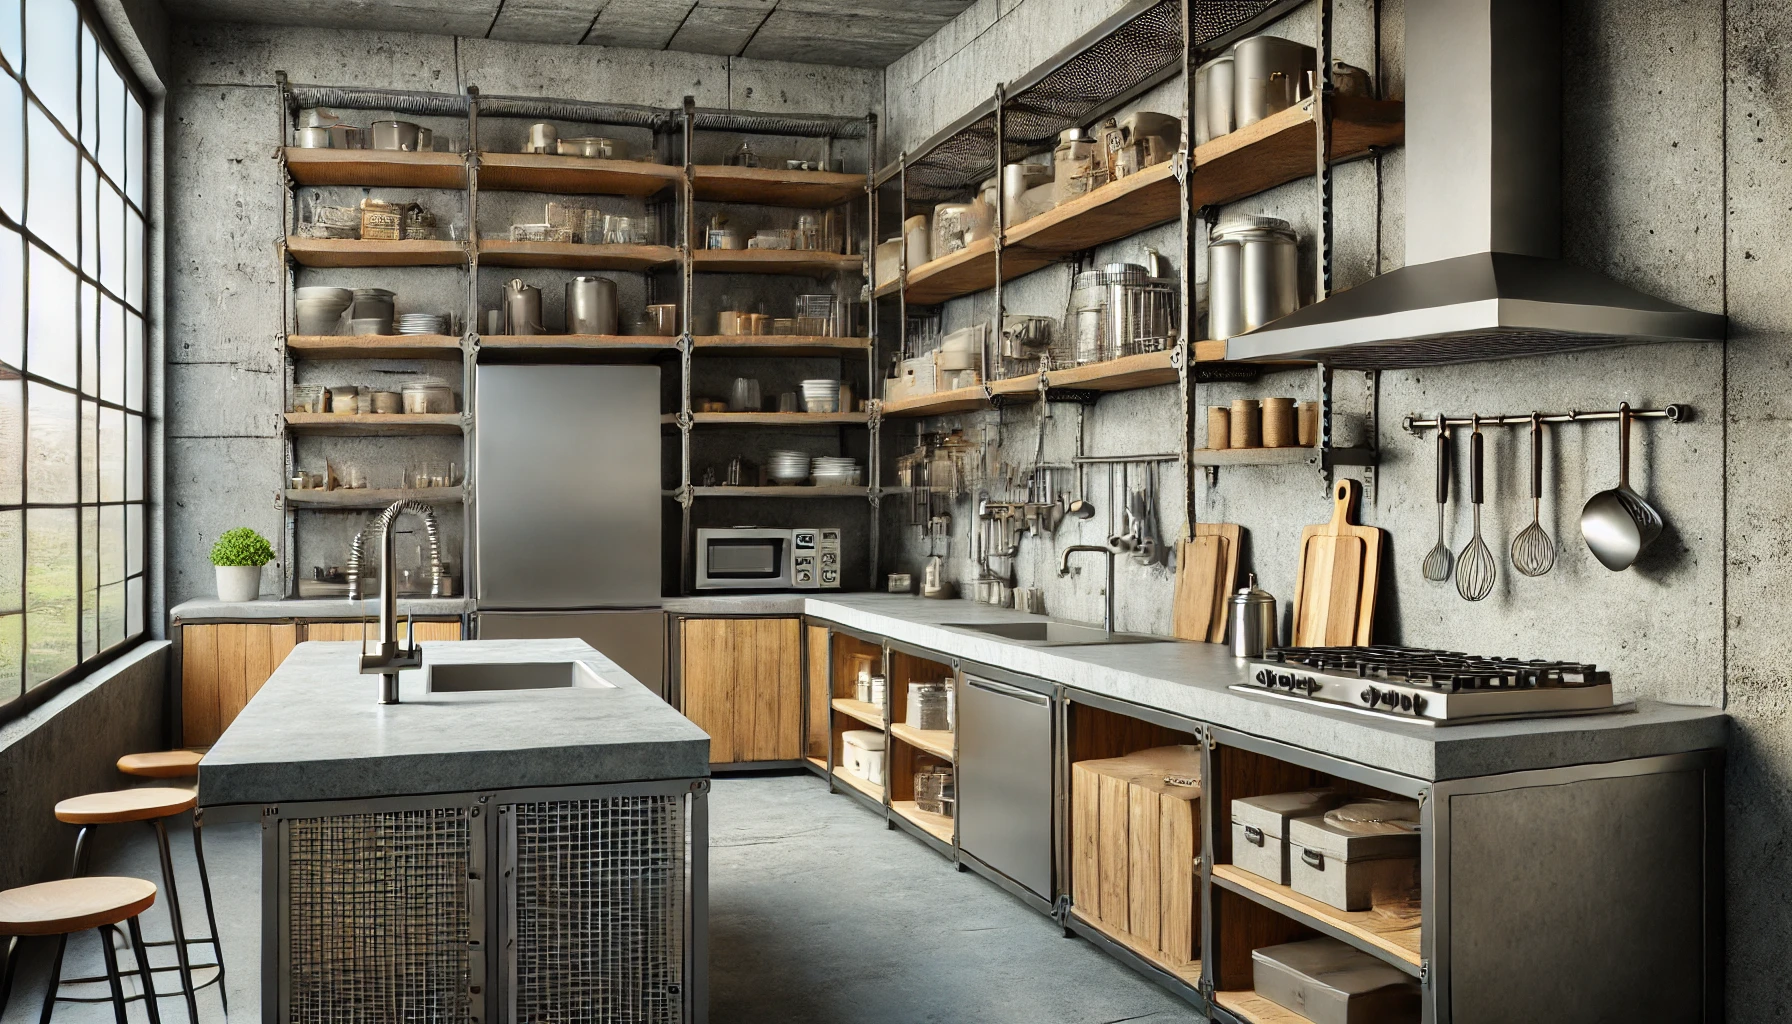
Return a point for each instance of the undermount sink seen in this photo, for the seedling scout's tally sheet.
(1053, 634)
(528, 675)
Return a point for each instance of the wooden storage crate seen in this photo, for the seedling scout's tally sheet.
(1136, 840)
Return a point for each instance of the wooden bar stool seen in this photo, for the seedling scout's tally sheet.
(70, 905)
(162, 764)
(152, 804)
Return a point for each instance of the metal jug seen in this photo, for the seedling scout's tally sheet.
(522, 308)
(1253, 620)
(591, 306)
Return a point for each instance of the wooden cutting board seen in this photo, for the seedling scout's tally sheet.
(1206, 570)
(1334, 594)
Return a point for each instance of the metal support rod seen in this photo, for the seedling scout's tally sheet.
(1089, 460)
(993, 340)
(874, 424)
(1188, 322)
(687, 199)
(1672, 413)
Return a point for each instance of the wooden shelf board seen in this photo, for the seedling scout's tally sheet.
(939, 826)
(574, 256)
(777, 345)
(1252, 456)
(970, 269)
(804, 262)
(1189, 972)
(372, 497)
(938, 403)
(829, 491)
(1280, 148)
(774, 419)
(818, 762)
(1109, 213)
(374, 346)
(582, 342)
(937, 742)
(373, 424)
(356, 252)
(1027, 386)
(774, 186)
(376, 167)
(864, 711)
(1388, 932)
(1145, 370)
(1254, 1009)
(870, 789)
(576, 175)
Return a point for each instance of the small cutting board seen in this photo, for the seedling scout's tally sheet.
(1334, 594)
(1206, 569)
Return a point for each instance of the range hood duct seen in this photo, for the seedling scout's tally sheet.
(1484, 278)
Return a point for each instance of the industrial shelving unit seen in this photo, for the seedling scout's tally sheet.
(671, 264)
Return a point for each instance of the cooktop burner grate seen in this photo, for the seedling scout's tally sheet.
(1447, 671)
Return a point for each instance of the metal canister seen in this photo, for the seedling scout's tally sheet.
(543, 138)
(1225, 305)
(522, 308)
(314, 138)
(1213, 99)
(591, 306)
(1121, 320)
(1269, 73)
(1253, 625)
(1253, 273)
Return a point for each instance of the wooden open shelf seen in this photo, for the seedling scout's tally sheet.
(1109, 213)
(1294, 456)
(1189, 972)
(376, 167)
(805, 491)
(970, 269)
(1280, 148)
(1016, 387)
(374, 346)
(373, 424)
(777, 345)
(801, 262)
(773, 419)
(356, 252)
(939, 826)
(574, 256)
(1254, 1009)
(372, 497)
(939, 403)
(580, 342)
(864, 711)
(937, 742)
(1145, 370)
(870, 789)
(773, 186)
(1390, 932)
(575, 175)
(817, 762)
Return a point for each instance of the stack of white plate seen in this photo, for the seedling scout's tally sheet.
(821, 395)
(422, 323)
(835, 471)
(787, 467)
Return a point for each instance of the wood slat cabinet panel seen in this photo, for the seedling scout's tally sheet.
(816, 744)
(741, 681)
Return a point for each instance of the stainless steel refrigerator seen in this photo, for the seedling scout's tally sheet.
(567, 509)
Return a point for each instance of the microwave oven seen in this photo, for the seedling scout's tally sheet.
(751, 558)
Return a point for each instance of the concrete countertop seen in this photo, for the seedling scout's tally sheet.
(315, 732)
(1190, 679)
(207, 609)
(737, 604)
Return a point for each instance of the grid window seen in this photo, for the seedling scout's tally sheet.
(72, 258)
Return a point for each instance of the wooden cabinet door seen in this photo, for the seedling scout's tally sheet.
(741, 681)
(819, 690)
(223, 665)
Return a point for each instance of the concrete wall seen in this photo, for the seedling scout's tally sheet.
(1677, 135)
(67, 747)
(224, 298)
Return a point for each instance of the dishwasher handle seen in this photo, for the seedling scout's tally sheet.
(1008, 691)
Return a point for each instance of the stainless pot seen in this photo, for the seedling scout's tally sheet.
(591, 306)
(543, 138)
(1253, 620)
(1269, 73)
(1213, 99)
(371, 303)
(522, 308)
(314, 138)
(347, 136)
(396, 135)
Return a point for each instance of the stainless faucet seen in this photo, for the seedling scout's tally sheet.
(388, 658)
(1107, 610)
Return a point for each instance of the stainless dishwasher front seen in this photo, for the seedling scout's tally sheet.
(1005, 780)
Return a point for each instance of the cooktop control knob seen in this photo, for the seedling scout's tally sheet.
(1391, 699)
(1307, 684)
(1418, 705)
(1406, 702)
(1264, 677)
(1370, 696)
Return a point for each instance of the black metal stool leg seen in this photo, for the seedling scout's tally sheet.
(112, 977)
(211, 917)
(149, 981)
(180, 932)
(55, 980)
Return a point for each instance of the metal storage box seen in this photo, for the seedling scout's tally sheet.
(1349, 870)
(1328, 982)
(1260, 828)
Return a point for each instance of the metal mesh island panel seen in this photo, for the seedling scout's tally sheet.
(596, 915)
(379, 916)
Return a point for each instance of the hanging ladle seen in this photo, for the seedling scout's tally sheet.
(1618, 524)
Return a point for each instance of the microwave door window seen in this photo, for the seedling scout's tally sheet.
(745, 559)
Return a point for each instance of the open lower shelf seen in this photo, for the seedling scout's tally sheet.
(357, 252)
(938, 403)
(805, 262)
(818, 762)
(376, 168)
(937, 742)
(1189, 972)
(773, 419)
(774, 186)
(870, 789)
(371, 497)
(1390, 933)
(1145, 370)
(1254, 1009)
(574, 256)
(864, 711)
(1295, 456)
(374, 346)
(575, 175)
(373, 424)
(577, 342)
(777, 345)
(939, 826)
(812, 491)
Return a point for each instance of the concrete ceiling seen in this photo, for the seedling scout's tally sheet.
(853, 33)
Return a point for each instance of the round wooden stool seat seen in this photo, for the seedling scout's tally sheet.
(162, 764)
(73, 904)
(144, 804)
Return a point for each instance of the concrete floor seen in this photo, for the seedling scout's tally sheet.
(818, 915)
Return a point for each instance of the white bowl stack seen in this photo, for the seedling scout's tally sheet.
(821, 395)
(320, 308)
(787, 467)
(835, 471)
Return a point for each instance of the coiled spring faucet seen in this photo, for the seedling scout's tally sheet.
(388, 659)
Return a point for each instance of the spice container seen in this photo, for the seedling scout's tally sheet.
(1278, 423)
(1219, 427)
(1359, 855)
(1260, 828)
(1247, 423)
(927, 707)
(308, 398)
(1252, 620)
(936, 792)
(1306, 418)
(382, 220)
(1330, 982)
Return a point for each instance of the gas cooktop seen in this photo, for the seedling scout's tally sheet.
(1434, 687)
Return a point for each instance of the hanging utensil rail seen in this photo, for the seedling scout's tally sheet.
(1088, 460)
(1677, 413)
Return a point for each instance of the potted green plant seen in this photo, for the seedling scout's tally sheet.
(239, 555)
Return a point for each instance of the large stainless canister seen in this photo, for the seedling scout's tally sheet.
(543, 138)
(522, 308)
(1214, 101)
(1269, 73)
(1253, 273)
(1253, 620)
(591, 306)
(1225, 303)
(1121, 319)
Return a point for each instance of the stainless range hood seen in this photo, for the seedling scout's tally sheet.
(1484, 278)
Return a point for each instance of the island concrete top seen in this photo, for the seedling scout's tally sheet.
(315, 731)
(1191, 680)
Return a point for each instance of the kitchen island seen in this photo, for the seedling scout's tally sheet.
(524, 836)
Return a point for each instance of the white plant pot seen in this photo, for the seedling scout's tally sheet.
(238, 582)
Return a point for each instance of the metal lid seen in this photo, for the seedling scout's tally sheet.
(1075, 135)
(1250, 593)
(1238, 225)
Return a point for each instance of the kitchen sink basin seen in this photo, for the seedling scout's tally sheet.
(1053, 634)
(528, 675)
